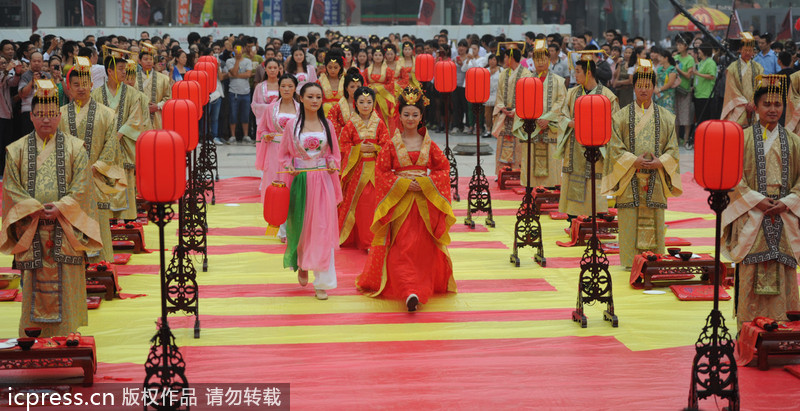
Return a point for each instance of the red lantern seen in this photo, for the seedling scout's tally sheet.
(445, 77)
(208, 59)
(211, 70)
(174, 117)
(189, 90)
(276, 203)
(478, 85)
(160, 166)
(718, 154)
(423, 69)
(593, 120)
(201, 77)
(529, 98)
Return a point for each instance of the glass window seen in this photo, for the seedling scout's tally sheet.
(389, 12)
(13, 12)
(236, 12)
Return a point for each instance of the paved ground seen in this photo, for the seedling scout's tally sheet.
(238, 160)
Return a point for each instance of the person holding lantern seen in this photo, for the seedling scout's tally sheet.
(546, 171)
(156, 86)
(360, 142)
(740, 84)
(643, 168)
(408, 259)
(332, 80)
(309, 151)
(341, 112)
(94, 123)
(380, 78)
(46, 224)
(131, 122)
(272, 123)
(507, 126)
(761, 228)
(575, 198)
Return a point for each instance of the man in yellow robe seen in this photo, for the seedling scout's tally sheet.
(761, 226)
(46, 196)
(507, 126)
(740, 84)
(156, 86)
(94, 123)
(130, 79)
(575, 198)
(793, 102)
(130, 122)
(643, 168)
(546, 171)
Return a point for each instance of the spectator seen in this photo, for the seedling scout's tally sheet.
(705, 74)
(766, 57)
(26, 89)
(239, 69)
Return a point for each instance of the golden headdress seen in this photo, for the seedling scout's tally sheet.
(773, 84)
(411, 96)
(540, 49)
(46, 92)
(148, 48)
(504, 47)
(747, 39)
(130, 69)
(645, 73)
(83, 67)
(584, 55)
(115, 52)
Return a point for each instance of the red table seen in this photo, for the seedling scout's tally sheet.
(753, 340)
(59, 356)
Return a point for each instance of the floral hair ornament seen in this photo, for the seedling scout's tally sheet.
(411, 96)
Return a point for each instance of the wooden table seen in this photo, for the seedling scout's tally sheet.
(108, 279)
(603, 227)
(547, 197)
(776, 343)
(704, 267)
(506, 177)
(133, 235)
(53, 357)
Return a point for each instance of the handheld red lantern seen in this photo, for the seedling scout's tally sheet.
(593, 120)
(445, 76)
(423, 68)
(201, 77)
(174, 115)
(189, 90)
(160, 166)
(478, 85)
(529, 98)
(718, 154)
(276, 203)
(211, 70)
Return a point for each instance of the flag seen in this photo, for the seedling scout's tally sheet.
(208, 11)
(348, 14)
(197, 11)
(467, 13)
(183, 11)
(87, 11)
(36, 12)
(515, 16)
(426, 8)
(142, 13)
(608, 6)
(735, 26)
(317, 12)
(563, 17)
(258, 11)
(786, 27)
(126, 9)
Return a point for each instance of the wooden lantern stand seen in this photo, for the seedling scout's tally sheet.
(479, 198)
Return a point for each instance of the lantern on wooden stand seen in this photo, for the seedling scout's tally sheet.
(478, 85)
(593, 130)
(178, 116)
(445, 83)
(161, 179)
(718, 164)
(529, 105)
(208, 167)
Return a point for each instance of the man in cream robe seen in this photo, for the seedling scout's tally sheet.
(46, 224)
(575, 197)
(130, 122)
(643, 171)
(740, 84)
(546, 170)
(761, 230)
(94, 123)
(130, 79)
(507, 126)
(154, 85)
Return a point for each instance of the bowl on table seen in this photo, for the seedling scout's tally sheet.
(26, 343)
(793, 315)
(686, 255)
(33, 332)
(674, 251)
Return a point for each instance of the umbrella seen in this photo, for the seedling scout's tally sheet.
(713, 19)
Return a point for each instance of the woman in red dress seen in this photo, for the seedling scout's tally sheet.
(380, 78)
(408, 259)
(359, 143)
(331, 80)
(340, 112)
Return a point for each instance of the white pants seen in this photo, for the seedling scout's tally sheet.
(326, 280)
(282, 231)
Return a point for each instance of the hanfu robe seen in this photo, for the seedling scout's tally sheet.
(130, 122)
(94, 124)
(412, 229)
(158, 89)
(740, 86)
(358, 180)
(765, 248)
(576, 199)
(50, 253)
(330, 96)
(546, 170)
(642, 194)
(382, 81)
(406, 76)
(506, 129)
(793, 104)
(340, 114)
(262, 98)
(270, 124)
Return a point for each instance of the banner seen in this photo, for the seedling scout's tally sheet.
(197, 11)
(142, 13)
(515, 15)
(208, 12)
(332, 16)
(351, 7)
(426, 8)
(36, 12)
(183, 11)
(316, 14)
(126, 8)
(87, 12)
(277, 11)
(467, 13)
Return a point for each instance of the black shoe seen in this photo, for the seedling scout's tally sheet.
(412, 302)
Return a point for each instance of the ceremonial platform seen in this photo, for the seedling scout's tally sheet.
(504, 341)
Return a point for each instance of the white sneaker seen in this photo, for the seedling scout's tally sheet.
(218, 141)
(247, 140)
(232, 140)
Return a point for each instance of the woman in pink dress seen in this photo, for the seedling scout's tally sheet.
(297, 65)
(264, 94)
(272, 121)
(310, 152)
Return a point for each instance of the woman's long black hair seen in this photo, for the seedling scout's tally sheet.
(294, 80)
(301, 116)
(291, 65)
(351, 76)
